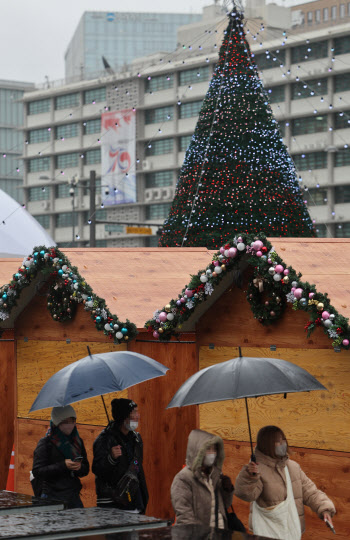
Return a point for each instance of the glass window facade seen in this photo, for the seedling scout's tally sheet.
(343, 230)
(40, 106)
(342, 194)
(321, 230)
(67, 160)
(44, 221)
(162, 146)
(309, 17)
(65, 219)
(157, 211)
(342, 158)
(95, 96)
(314, 87)
(39, 193)
(310, 51)
(317, 16)
(10, 140)
(342, 82)
(39, 164)
(38, 136)
(62, 191)
(312, 160)
(67, 101)
(161, 114)
(325, 14)
(185, 142)
(342, 45)
(309, 124)
(271, 60)
(316, 197)
(190, 110)
(93, 156)
(333, 13)
(160, 82)
(342, 120)
(92, 126)
(342, 10)
(67, 131)
(159, 179)
(193, 76)
(276, 93)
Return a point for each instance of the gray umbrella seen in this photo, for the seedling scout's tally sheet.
(95, 375)
(244, 377)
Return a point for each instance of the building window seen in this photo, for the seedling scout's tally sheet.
(342, 11)
(342, 82)
(321, 230)
(317, 16)
(92, 126)
(342, 120)
(342, 45)
(159, 179)
(342, 194)
(325, 14)
(67, 160)
(157, 211)
(66, 101)
(152, 241)
(348, 9)
(193, 76)
(309, 124)
(39, 193)
(342, 230)
(316, 197)
(276, 93)
(67, 131)
(93, 156)
(161, 82)
(270, 59)
(190, 110)
(95, 96)
(312, 160)
(62, 191)
(44, 220)
(39, 107)
(38, 135)
(342, 158)
(39, 164)
(153, 116)
(333, 13)
(101, 243)
(308, 89)
(162, 146)
(65, 219)
(309, 17)
(310, 51)
(185, 142)
(282, 129)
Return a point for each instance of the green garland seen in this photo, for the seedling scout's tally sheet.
(271, 287)
(67, 289)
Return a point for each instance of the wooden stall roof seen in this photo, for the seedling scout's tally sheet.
(137, 281)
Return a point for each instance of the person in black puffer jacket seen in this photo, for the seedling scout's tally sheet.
(60, 459)
(116, 449)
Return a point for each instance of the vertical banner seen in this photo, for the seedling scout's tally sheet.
(118, 151)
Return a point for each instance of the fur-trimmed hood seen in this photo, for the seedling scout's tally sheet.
(198, 443)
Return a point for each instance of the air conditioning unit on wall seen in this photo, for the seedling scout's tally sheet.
(45, 205)
(146, 165)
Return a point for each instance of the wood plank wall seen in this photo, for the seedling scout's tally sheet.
(7, 401)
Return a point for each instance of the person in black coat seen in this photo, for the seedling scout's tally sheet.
(116, 450)
(60, 459)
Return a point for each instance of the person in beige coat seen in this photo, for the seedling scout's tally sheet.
(266, 483)
(194, 488)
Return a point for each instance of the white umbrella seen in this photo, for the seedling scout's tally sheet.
(19, 231)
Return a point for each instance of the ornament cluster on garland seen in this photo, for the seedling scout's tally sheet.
(67, 289)
(272, 286)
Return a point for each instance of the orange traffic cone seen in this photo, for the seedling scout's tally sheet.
(10, 485)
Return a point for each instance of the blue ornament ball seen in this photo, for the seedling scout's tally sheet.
(60, 272)
(42, 252)
(98, 319)
(124, 331)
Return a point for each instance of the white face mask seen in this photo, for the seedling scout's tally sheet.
(131, 425)
(209, 459)
(66, 428)
(281, 449)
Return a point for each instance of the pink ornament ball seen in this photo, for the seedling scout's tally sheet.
(279, 269)
(232, 252)
(293, 289)
(311, 295)
(345, 342)
(286, 272)
(269, 261)
(216, 263)
(239, 239)
(259, 253)
(325, 315)
(298, 293)
(155, 335)
(162, 316)
(257, 245)
(222, 250)
(182, 300)
(188, 293)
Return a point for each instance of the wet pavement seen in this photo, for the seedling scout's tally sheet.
(14, 503)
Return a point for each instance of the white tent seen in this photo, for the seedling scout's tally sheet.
(19, 231)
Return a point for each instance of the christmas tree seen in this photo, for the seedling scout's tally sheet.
(237, 176)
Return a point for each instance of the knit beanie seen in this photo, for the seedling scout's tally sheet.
(121, 409)
(58, 414)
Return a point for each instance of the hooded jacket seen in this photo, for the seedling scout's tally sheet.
(269, 487)
(190, 496)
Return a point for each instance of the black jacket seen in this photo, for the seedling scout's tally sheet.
(49, 466)
(108, 471)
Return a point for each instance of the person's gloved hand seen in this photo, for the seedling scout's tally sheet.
(226, 483)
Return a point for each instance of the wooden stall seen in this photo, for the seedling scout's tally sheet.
(135, 283)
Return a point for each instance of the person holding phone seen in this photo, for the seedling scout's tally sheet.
(60, 459)
(277, 489)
